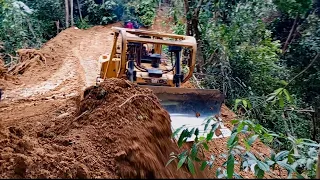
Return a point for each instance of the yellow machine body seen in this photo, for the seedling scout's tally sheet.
(185, 106)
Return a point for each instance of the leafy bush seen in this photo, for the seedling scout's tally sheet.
(46, 14)
(17, 30)
(83, 24)
(242, 49)
(144, 11)
(101, 14)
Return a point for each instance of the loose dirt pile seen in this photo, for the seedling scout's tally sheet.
(28, 58)
(119, 131)
(5, 78)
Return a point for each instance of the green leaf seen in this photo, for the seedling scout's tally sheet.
(184, 153)
(237, 176)
(283, 82)
(273, 155)
(236, 103)
(245, 103)
(182, 160)
(281, 102)
(203, 165)
(194, 151)
(310, 164)
(235, 121)
(230, 166)
(291, 158)
(218, 172)
(215, 126)
(191, 166)
(251, 156)
(258, 172)
(310, 144)
(246, 144)
(177, 131)
(183, 135)
(207, 123)
(170, 161)
(281, 155)
(240, 127)
(232, 139)
(252, 139)
(270, 162)
(258, 128)
(288, 96)
(205, 146)
(191, 132)
(263, 166)
(286, 166)
(270, 98)
(197, 159)
(278, 91)
(209, 136)
(196, 132)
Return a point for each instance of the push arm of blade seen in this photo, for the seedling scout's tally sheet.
(192, 64)
(114, 48)
(123, 53)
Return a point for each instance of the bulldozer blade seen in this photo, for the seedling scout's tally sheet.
(189, 107)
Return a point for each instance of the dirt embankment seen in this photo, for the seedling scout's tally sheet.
(118, 131)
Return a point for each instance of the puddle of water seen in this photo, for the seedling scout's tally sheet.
(179, 120)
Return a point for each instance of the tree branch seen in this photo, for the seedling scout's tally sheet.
(314, 60)
(197, 10)
(79, 7)
(284, 49)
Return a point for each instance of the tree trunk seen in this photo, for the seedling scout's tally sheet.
(188, 20)
(58, 26)
(316, 122)
(284, 49)
(71, 14)
(196, 32)
(66, 2)
(79, 7)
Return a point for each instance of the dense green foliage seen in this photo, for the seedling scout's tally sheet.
(250, 49)
(29, 23)
(141, 10)
(244, 56)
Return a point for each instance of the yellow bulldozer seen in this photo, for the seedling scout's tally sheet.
(161, 62)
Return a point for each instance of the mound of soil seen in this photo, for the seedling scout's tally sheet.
(3, 70)
(28, 58)
(119, 131)
(5, 78)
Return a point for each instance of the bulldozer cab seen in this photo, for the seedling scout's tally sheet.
(162, 62)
